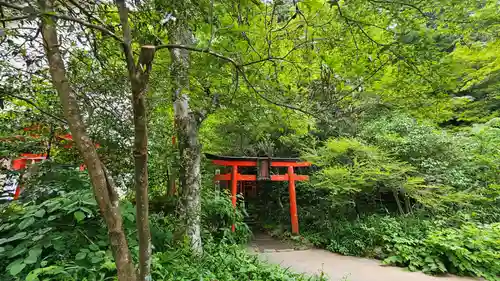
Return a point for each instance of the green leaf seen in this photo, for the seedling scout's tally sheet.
(38, 237)
(35, 252)
(96, 259)
(27, 222)
(51, 218)
(45, 230)
(18, 250)
(17, 236)
(16, 267)
(87, 210)
(130, 217)
(80, 256)
(109, 265)
(32, 277)
(102, 243)
(94, 247)
(30, 259)
(79, 216)
(6, 226)
(40, 213)
(58, 245)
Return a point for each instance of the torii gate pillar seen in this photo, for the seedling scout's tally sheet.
(290, 176)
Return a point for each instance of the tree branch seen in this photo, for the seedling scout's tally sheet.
(127, 37)
(63, 17)
(36, 106)
(258, 93)
(194, 49)
(402, 4)
(348, 22)
(259, 61)
(85, 12)
(12, 6)
(14, 18)
(87, 24)
(348, 25)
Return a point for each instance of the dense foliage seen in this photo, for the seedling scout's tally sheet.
(59, 236)
(409, 193)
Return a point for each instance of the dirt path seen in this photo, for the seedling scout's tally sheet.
(336, 267)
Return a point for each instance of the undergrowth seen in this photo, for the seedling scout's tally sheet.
(407, 193)
(60, 236)
(433, 247)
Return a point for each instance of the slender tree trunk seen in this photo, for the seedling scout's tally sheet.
(139, 91)
(407, 201)
(141, 179)
(187, 128)
(395, 193)
(103, 188)
(139, 80)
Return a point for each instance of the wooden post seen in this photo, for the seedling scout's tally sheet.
(234, 188)
(293, 201)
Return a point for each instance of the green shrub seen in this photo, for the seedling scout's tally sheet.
(468, 250)
(218, 215)
(55, 230)
(223, 262)
(431, 246)
(461, 160)
(56, 233)
(370, 236)
(45, 235)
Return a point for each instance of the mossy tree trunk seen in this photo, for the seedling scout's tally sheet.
(187, 124)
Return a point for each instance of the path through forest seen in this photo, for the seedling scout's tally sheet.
(335, 266)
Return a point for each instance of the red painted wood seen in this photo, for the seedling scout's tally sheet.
(18, 164)
(34, 155)
(234, 188)
(291, 177)
(294, 218)
(247, 177)
(279, 177)
(17, 193)
(227, 177)
(250, 163)
(301, 177)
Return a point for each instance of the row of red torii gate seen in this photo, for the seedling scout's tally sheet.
(263, 165)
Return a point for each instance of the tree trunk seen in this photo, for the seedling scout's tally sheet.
(139, 80)
(187, 130)
(407, 201)
(395, 193)
(187, 127)
(104, 191)
(139, 84)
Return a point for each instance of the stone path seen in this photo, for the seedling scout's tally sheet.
(335, 266)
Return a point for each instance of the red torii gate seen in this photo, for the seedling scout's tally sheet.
(263, 165)
(20, 163)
